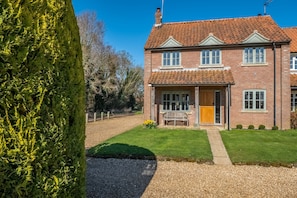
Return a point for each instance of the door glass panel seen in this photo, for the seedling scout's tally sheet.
(218, 107)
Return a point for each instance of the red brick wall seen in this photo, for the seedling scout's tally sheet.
(285, 94)
(260, 77)
(147, 89)
(245, 77)
(250, 77)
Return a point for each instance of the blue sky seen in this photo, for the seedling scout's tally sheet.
(129, 22)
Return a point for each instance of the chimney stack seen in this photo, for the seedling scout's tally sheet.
(158, 18)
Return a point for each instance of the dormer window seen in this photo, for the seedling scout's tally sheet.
(171, 59)
(254, 55)
(211, 57)
(293, 63)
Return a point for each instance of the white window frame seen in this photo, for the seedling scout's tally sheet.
(294, 100)
(206, 60)
(175, 101)
(254, 55)
(253, 101)
(171, 59)
(293, 63)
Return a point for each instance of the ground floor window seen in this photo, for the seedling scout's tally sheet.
(254, 100)
(293, 100)
(175, 101)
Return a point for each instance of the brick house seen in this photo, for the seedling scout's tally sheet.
(218, 72)
(292, 33)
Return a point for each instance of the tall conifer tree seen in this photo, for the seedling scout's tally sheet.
(41, 100)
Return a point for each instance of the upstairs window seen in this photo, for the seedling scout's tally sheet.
(254, 100)
(175, 101)
(171, 58)
(211, 57)
(254, 55)
(293, 63)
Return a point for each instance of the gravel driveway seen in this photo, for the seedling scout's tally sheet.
(152, 178)
(100, 131)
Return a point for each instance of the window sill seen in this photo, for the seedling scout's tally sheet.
(211, 66)
(254, 111)
(170, 67)
(254, 64)
(184, 111)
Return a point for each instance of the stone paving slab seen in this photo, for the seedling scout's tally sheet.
(220, 155)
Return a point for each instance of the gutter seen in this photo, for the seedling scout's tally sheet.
(195, 47)
(189, 85)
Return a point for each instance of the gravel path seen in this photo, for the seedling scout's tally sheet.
(151, 178)
(100, 131)
(173, 179)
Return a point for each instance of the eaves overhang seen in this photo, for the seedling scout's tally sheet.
(236, 45)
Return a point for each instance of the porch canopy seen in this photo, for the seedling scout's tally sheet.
(191, 78)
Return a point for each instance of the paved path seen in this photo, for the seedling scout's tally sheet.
(220, 155)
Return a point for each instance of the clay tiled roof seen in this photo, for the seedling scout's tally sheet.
(292, 33)
(293, 79)
(230, 31)
(192, 77)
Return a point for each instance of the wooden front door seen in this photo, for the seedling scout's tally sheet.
(206, 100)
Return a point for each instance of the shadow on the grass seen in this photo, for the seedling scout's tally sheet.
(114, 170)
(120, 151)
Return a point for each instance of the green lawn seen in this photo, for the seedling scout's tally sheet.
(261, 147)
(142, 143)
(264, 147)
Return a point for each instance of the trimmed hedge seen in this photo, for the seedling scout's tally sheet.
(42, 125)
(239, 126)
(251, 126)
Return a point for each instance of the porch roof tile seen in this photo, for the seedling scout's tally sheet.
(192, 77)
(293, 79)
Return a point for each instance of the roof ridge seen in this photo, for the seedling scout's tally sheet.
(219, 19)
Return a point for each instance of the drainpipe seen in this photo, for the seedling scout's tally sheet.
(274, 84)
(229, 98)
